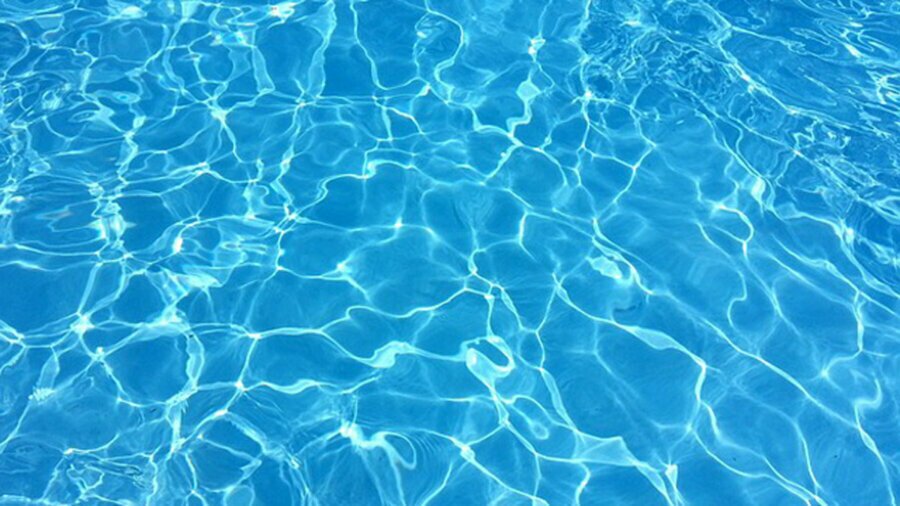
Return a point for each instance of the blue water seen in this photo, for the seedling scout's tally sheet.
(450, 252)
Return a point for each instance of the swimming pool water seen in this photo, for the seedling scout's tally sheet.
(450, 252)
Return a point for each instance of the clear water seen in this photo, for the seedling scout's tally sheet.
(450, 252)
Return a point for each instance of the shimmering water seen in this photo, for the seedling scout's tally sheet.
(450, 252)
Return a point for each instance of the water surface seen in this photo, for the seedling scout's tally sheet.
(449, 252)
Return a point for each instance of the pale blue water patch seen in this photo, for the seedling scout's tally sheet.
(449, 252)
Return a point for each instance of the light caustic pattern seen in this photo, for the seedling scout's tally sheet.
(449, 252)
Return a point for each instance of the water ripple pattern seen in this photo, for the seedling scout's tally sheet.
(450, 252)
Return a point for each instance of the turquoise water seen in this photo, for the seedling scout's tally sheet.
(450, 252)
